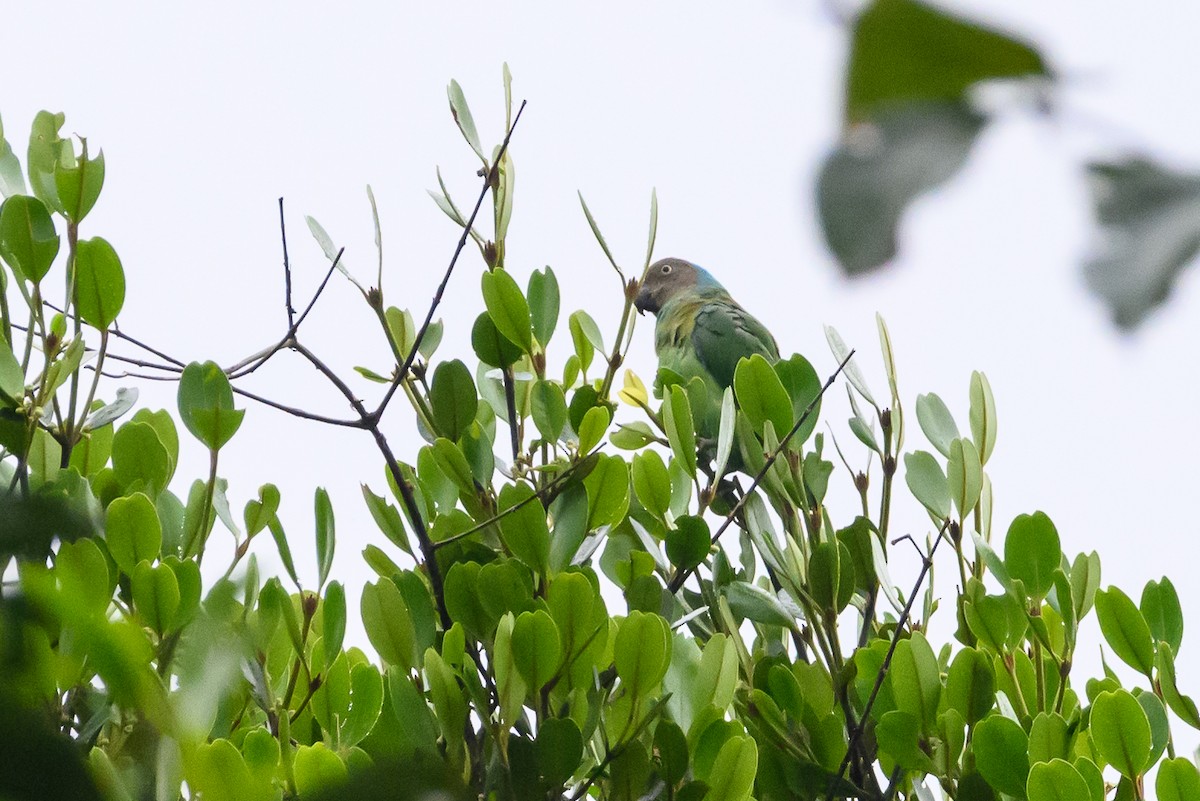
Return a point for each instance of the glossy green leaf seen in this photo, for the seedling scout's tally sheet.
(732, 775)
(642, 651)
(156, 595)
(607, 491)
(493, 348)
(592, 427)
(1160, 727)
(1125, 630)
(652, 483)
(543, 303)
(99, 282)
(1161, 609)
(1032, 552)
(681, 432)
(971, 685)
(927, 483)
(559, 749)
(508, 308)
(206, 404)
(899, 735)
(28, 241)
(326, 534)
(1121, 732)
(133, 531)
(1002, 754)
(1181, 705)
(536, 647)
(525, 532)
(389, 626)
(916, 683)
(1049, 738)
(79, 184)
(1056, 780)
(453, 398)
(333, 621)
(689, 542)
(549, 409)
(1178, 780)
(760, 394)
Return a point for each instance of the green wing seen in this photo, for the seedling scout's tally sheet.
(724, 333)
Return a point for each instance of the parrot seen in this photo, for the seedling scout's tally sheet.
(700, 330)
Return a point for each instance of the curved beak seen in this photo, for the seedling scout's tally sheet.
(645, 301)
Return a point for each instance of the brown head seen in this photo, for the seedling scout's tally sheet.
(666, 279)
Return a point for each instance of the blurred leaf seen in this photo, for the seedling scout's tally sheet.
(12, 182)
(156, 595)
(138, 455)
(99, 282)
(333, 621)
(902, 50)
(28, 241)
(880, 167)
(126, 398)
(387, 518)
(1149, 218)
(389, 625)
(463, 118)
(752, 602)
(46, 147)
(326, 534)
(559, 749)
(133, 531)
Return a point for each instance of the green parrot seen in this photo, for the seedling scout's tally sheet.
(701, 331)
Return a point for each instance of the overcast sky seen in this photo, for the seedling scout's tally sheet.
(208, 113)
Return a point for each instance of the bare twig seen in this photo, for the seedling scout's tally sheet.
(287, 272)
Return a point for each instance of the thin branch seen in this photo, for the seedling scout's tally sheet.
(857, 733)
(287, 272)
(402, 373)
(682, 575)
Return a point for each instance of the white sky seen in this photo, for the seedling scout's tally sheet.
(208, 113)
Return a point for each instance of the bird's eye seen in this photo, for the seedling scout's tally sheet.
(666, 269)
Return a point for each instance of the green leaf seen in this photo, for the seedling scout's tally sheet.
(543, 303)
(138, 455)
(463, 118)
(389, 625)
(559, 749)
(937, 422)
(316, 768)
(903, 50)
(608, 492)
(508, 308)
(133, 531)
(732, 775)
(12, 182)
(899, 735)
(689, 542)
(1120, 731)
(964, 475)
(1148, 214)
(259, 512)
(156, 595)
(387, 518)
(831, 575)
(1049, 738)
(971, 685)
(760, 394)
(652, 484)
(880, 167)
(671, 746)
(281, 545)
(326, 534)
(1032, 552)
(79, 184)
(681, 433)
(333, 621)
(206, 404)
(1178, 780)
(1085, 581)
(642, 652)
(585, 336)
(1056, 780)
(752, 602)
(46, 147)
(493, 348)
(1125, 630)
(28, 241)
(525, 532)
(549, 409)
(536, 647)
(1160, 727)
(99, 282)
(592, 427)
(12, 377)
(1181, 705)
(1160, 607)
(453, 398)
(1002, 754)
(916, 683)
(983, 416)
(927, 483)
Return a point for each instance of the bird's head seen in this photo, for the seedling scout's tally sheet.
(669, 278)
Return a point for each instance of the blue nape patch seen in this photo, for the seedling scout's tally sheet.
(704, 279)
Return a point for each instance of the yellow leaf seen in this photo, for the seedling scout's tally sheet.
(634, 392)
